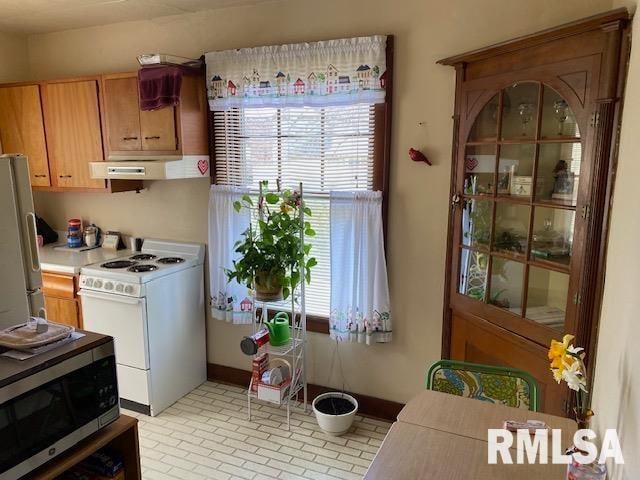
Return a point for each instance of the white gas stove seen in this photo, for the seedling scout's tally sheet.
(152, 304)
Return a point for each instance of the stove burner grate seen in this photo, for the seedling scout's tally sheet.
(143, 256)
(143, 267)
(118, 264)
(171, 260)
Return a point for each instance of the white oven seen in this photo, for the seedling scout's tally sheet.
(125, 319)
(152, 304)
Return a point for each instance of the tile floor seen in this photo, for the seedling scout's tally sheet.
(206, 435)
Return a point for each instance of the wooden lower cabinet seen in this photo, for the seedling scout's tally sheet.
(60, 299)
(478, 341)
(61, 310)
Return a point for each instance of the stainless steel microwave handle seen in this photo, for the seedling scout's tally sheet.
(43, 376)
(127, 170)
(110, 297)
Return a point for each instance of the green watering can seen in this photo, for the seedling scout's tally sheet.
(278, 328)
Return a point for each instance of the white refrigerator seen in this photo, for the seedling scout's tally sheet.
(20, 278)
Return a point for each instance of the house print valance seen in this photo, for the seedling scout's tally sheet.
(334, 72)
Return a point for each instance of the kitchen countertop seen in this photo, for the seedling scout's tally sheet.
(70, 262)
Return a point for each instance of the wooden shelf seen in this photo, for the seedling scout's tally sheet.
(122, 435)
(508, 255)
(523, 141)
(520, 199)
(559, 204)
(557, 266)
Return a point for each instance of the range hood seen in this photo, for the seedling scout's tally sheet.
(161, 168)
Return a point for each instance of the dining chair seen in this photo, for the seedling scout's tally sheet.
(507, 386)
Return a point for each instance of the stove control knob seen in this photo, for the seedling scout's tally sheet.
(108, 286)
(119, 287)
(88, 282)
(97, 284)
(128, 289)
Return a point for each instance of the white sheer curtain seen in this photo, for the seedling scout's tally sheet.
(360, 310)
(230, 301)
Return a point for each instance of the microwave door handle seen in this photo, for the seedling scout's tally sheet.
(111, 297)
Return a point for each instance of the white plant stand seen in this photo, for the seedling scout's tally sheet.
(294, 352)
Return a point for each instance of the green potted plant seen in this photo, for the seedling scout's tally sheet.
(272, 261)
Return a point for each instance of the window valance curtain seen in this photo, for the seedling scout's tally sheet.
(334, 72)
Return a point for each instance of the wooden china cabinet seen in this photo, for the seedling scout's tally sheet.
(535, 137)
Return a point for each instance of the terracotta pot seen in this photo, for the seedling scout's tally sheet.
(268, 287)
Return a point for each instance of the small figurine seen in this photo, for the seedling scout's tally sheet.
(563, 183)
(418, 156)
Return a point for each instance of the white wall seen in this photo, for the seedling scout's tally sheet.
(616, 399)
(14, 63)
(425, 31)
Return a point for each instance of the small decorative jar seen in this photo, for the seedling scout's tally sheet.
(577, 470)
(592, 471)
(74, 233)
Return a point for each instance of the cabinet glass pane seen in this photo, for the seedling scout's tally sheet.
(476, 223)
(507, 280)
(515, 169)
(552, 235)
(520, 111)
(485, 126)
(512, 225)
(558, 119)
(547, 297)
(473, 273)
(479, 169)
(558, 173)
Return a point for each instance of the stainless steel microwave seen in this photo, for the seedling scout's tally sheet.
(51, 403)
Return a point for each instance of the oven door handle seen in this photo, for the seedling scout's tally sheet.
(111, 297)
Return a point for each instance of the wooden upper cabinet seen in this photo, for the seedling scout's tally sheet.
(128, 129)
(122, 117)
(72, 119)
(158, 129)
(179, 130)
(535, 122)
(22, 129)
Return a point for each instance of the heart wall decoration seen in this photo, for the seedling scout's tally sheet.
(203, 166)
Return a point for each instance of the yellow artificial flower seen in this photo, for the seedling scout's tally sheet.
(559, 349)
(558, 356)
(557, 374)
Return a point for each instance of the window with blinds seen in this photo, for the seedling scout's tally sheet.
(325, 148)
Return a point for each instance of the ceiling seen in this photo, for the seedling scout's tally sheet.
(41, 16)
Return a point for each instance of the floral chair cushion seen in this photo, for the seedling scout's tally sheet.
(489, 387)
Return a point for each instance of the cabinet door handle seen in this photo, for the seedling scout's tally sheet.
(64, 176)
(129, 138)
(40, 176)
(154, 137)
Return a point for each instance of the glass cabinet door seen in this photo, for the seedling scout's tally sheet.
(519, 195)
